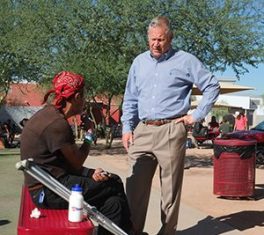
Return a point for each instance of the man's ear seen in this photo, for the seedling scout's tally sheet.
(78, 96)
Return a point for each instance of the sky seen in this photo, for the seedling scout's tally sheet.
(254, 78)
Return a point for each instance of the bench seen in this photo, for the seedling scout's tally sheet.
(51, 221)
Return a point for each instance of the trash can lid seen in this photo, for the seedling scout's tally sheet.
(234, 142)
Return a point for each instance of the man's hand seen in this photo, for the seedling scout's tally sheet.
(86, 122)
(127, 139)
(187, 120)
(100, 175)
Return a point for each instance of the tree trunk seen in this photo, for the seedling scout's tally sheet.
(109, 133)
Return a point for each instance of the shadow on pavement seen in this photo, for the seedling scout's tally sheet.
(192, 161)
(4, 222)
(244, 220)
(259, 192)
(241, 221)
(207, 226)
(100, 149)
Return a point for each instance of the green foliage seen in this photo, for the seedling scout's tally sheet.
(13, 65)
(221, 33)
(100, 38)
(219, 112)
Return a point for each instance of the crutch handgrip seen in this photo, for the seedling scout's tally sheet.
(24, 164)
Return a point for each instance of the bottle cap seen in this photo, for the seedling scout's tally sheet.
(77, 188)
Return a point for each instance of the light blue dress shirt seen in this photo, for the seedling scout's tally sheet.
(160, 89)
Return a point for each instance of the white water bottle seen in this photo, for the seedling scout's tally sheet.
(75, 213)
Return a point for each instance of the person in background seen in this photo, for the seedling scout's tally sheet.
(245, 119)
(213, 124)
(199, 129)
(2, 136)
(224, 127)
(156, 102)
(240, 122)
(48, 139)
(8, 131)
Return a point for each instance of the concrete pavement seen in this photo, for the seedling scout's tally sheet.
(201, 212)
(10, 187)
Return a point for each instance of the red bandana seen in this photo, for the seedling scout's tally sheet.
(65, 85)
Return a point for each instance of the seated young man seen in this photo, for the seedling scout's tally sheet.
(199, 130)
(48, 139)
(224, 127)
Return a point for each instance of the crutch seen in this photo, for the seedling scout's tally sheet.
(42, 176)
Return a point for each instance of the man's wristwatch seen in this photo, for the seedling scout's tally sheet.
(89, 137)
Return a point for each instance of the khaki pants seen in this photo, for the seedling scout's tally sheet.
(163, 146)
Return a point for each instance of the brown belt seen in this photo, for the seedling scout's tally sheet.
(35, 187)
(160, 122)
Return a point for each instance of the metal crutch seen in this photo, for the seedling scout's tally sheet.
(50, 182)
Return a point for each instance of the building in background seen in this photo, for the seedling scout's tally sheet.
(24, 99)
(21, 101)
(252, 107)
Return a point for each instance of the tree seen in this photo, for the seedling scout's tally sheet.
(101, 38)
(77, 32)
(14, 66)
(221, 33)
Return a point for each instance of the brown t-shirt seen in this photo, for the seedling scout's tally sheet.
(42, 138)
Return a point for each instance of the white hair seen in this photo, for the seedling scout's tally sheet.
(161, 21)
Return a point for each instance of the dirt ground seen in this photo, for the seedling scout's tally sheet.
(244, 214)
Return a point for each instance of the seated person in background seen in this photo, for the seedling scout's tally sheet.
(199, 129)
(48, 139)
(6, 133)
(224, 127)
(213, 125)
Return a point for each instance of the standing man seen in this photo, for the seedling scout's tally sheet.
(156, 102)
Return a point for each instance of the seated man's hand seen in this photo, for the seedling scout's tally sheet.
(86, 122)
(100, 175)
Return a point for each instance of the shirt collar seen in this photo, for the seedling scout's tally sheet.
(165, 56)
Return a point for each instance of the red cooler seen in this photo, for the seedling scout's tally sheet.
(234, 167)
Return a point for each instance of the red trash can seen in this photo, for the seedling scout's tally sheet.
(234, 167)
